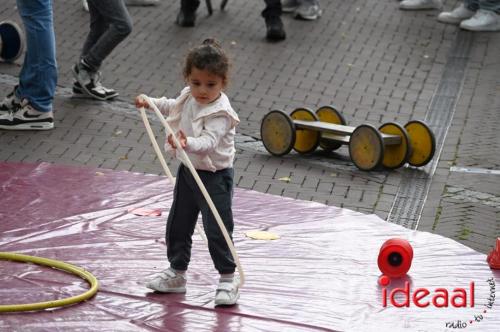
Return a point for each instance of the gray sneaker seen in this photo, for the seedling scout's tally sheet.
(78, 92)
(457, 15)
(168, 281)
(90, 82)
(308, 10)
(11, 102)
(228, 291)
(289, 6)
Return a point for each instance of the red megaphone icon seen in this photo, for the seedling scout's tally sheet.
(394, 258)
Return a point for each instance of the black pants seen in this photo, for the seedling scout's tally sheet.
(187, 204)
(189, 6)
(273, 7)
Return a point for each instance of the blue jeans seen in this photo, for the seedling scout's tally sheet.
(110, 23)
(492, 5)
(38, 77)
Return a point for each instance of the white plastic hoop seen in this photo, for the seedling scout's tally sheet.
(195, 176)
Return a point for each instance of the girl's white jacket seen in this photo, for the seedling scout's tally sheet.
(210, 129)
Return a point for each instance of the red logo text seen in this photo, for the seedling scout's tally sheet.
(423, 297)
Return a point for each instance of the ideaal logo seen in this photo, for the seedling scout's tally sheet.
(490, 301)
(423, 297)
(394, 261)
(440, 298)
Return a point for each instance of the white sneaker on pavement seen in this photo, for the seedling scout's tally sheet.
(26, 117)
(168, 281)
(89, 82)
(420, 4)
(10, 102)
(308, 10)
(483, 20)
(228, 291)
(456, 16)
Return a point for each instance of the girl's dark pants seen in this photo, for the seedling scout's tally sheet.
(187, 204)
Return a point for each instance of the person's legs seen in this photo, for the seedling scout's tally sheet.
(98, 27)
(491, 5)
(273, 8)
(110, 23)
(38, 77)
(272, 16)
(116, 18)
(472, 5)
(181, 221)
(187, 13)
(220, 188)
(190, 5)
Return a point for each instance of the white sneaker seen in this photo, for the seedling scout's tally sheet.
(228, 291)
(11, 102)
(483, 20)
(168, 281)
(456, 16)
(25, 117)
(308, 10)
(420, 4)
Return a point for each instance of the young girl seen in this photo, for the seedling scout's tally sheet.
(204, 123)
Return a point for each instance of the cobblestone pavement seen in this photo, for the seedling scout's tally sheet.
(370, 60)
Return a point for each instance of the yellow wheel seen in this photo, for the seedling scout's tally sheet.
(422, 141)
(366, 147)
(331, 115)
(396, 155)
(306, 140)
(94, 284)
(277, 132)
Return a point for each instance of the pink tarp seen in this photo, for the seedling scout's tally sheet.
(320, 275)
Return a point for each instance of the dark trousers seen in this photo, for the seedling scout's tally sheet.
(273, 8)
(187, 204)
(110, 23)
(189, 6)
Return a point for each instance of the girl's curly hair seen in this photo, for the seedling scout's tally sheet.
(208, 56)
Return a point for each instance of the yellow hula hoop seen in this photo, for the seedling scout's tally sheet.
(87, 276)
